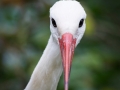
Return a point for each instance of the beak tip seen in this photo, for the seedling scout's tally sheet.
(66, 85)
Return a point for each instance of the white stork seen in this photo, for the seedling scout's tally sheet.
(67, 25)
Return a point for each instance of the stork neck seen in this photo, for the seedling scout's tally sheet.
(48, 70)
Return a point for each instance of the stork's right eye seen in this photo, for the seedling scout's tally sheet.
(54, 23)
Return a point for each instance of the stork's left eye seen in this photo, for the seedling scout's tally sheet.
(81, 23)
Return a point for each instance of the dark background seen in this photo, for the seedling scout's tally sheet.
(24, 32)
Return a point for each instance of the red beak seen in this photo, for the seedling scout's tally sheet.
(67, 46)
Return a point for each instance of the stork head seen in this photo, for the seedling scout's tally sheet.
(67, 25)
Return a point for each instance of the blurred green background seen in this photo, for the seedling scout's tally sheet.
(24, 32)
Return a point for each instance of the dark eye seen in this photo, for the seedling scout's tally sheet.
(81, 23)
(54, 23)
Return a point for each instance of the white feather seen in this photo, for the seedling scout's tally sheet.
(67, 14)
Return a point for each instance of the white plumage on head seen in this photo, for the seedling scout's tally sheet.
(67, 25)
(67, 15)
